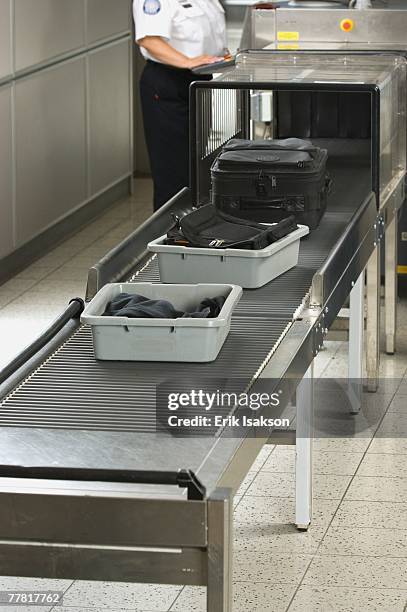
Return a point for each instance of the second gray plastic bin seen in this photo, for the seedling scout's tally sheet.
(186, 339)
(249, 269)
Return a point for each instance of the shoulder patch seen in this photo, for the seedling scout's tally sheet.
(152, 7)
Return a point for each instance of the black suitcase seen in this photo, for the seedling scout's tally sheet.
(267, 180)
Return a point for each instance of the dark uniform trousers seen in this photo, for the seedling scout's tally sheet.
(165, 104)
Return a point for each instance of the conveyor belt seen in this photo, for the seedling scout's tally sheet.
(74, 391)
(75, 411)
(284, 295)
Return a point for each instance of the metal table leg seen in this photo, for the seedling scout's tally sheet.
(373, 321)
(356, 333)
(391, 285)
(220, 551)
(304, 440)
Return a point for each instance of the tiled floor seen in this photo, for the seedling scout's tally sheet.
(354, 556)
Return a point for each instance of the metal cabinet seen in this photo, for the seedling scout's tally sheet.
(110, 115)
(66, 132)
(47, 28)
(6, 200)
(106, 18)
(5, 42)
(50, 138)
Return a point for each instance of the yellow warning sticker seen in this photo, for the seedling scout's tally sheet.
(288, 36)
(288, 46)
(402, 269)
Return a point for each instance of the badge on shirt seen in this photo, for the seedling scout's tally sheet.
(152, 7)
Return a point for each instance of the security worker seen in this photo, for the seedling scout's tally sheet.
(175, 36)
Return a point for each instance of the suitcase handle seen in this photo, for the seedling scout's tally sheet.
(261, 185)
(296, 145)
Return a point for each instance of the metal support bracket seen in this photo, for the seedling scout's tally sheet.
(373, 320)
(356, 335)
(391, 260)
(304, 440)
(220, 551)
(320, 331)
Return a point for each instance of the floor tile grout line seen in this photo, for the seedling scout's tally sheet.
(300, 583)
(320, 473)
(390, 454)
(176, 599)
(55, 607)
(334, 586)
(384, 557)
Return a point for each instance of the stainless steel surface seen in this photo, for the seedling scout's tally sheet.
(89, 512)
(373, 320)
(317, 4)
(109, 115)
(289, 28)
(318, 68)
(6, 172)
(106, 18)
(121, 399)
(304, 446)
(45, 29)
(58, 134)
(220, 552)
(50, 137)
(262, 106)
(5, 38)
(356, 343)
(321, 25)
(260, 26)
(349, 247)
(391, 259)
(183, 566)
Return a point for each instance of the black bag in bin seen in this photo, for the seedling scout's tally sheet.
(206, 227)
(267, 180)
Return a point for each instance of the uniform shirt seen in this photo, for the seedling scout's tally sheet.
(192, 27)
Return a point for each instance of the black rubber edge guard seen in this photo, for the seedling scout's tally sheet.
(73, 311)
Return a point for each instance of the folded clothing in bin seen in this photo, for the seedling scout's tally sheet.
(207, 227)
(135, 306)
(267, 180)
(184, 339)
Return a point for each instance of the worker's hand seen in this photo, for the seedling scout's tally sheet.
(201, 60)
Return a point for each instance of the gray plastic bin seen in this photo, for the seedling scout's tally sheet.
(189, 340)
(249, 269)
